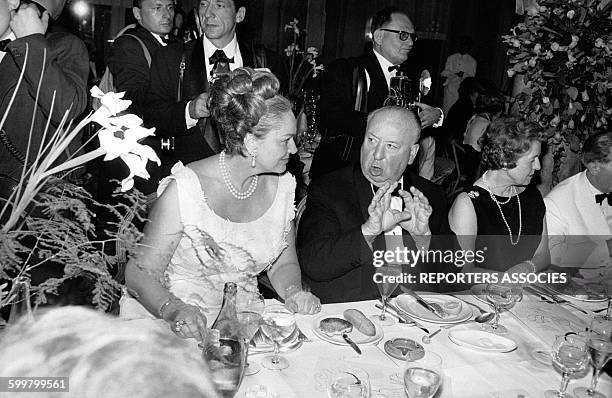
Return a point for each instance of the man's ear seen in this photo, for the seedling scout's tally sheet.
(240, 14)
(136, 12)
(413, 152)
(377, 36)
(13, 4)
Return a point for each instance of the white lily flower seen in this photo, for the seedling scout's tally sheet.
(113, 102)
(138, 168)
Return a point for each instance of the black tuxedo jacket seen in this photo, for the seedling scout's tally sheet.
(335, 259)
(127, 63)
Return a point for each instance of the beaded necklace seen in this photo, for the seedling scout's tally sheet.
(498, 203)
(228, 182)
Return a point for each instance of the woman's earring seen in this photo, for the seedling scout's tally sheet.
(253, 155)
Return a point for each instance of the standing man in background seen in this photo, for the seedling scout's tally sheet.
(352, 88)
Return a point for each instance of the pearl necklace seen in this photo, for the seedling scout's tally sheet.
(498, 203)
(228, 182)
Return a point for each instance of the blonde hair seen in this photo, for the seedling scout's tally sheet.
(104, 356)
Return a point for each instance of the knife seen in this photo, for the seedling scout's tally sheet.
(553, 298)
(422, 302)
(351, 343)
(407, 317)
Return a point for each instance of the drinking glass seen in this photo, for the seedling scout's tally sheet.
(569, 354)
(599, 345)
(423, 377)
(277, 324)
(349, 383)
(389, 280)
(249, 309)
(502, 297)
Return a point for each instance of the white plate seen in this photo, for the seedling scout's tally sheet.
(409, 304)
(576, 291)
(481, 340)
(355, 335)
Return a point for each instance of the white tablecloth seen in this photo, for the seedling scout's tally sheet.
(467, 373)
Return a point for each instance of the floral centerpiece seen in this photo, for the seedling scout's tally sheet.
(49, 220)
(562, 51)
(303, 64)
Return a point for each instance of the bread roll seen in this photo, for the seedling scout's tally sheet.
(360, 321)
(335, 326)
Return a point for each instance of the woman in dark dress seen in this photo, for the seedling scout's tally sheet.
(501, 213)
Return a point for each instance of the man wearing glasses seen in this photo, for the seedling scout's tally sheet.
(354, 87)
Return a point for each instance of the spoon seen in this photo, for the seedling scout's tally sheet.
(484, 316)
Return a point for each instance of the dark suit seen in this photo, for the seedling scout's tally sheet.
(65, 76)
(127, 63)
(167, 115)
(131, 73)
(335, 259)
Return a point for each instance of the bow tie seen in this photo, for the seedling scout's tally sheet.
(393, 67)
(599, 198)
(394, 193)
(219, 56)
(4, 43)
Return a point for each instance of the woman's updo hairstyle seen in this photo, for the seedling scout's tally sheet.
(246, 101)
(507, 139)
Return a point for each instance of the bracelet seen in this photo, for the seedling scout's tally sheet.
(163, 307)
(532, 264)
(292, 290)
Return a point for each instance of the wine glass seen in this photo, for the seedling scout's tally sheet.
(502, 297)
(349, 383)
(277, 324)
(249, 309)
(423, 377)
(387, 278)
(599, 345)
(569, 355)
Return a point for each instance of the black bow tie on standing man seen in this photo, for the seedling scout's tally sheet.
(599, 198)
(220, 63)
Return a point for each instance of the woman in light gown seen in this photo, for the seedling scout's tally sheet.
(226, 218)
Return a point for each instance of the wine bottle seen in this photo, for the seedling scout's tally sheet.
(225, 351)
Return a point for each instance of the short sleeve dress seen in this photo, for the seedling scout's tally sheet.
(249, 248)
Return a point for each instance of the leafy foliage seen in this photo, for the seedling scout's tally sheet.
(563, 50)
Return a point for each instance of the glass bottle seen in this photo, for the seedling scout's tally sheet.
(225, 349)
(21, 307)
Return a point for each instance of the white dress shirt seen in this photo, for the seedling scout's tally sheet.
(231, 50)
(10, 36)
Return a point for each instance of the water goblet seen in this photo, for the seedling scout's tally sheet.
(388, 280)
(349, 383)
(423, 377)
(569, 355)
(599, 345)
(277, 324)
(502, 297)
(249, 309)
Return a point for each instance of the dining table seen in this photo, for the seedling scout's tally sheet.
(525, 371)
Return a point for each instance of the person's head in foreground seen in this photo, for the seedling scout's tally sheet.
(390, 144)
(511, 148)
(597, 158)
(104, 357)
(254, 120)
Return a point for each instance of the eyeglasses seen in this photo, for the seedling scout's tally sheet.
(403, 35)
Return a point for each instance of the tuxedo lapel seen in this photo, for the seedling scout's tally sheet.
(199, 79)
(363, 188)
(247, 56)
(378, 90)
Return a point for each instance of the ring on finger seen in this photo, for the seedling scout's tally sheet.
(178, 325)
